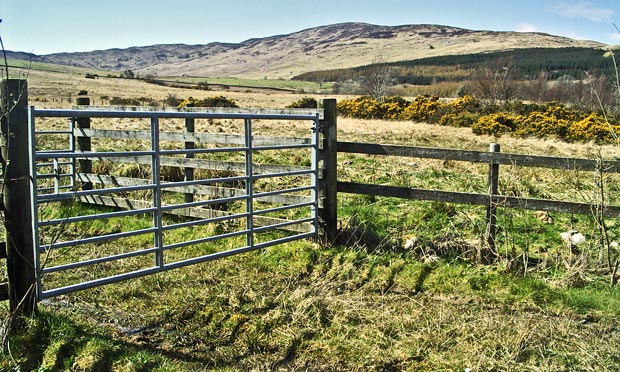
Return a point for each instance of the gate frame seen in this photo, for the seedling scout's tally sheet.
(22, 256)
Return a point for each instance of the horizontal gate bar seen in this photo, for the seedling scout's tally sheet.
(283, 224)
(98, 216)
(96, 239)
(76, 194)
(238, 114)
(203, 221)
(94, 261)
(206, 240)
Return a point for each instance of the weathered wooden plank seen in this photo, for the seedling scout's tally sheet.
(238, 167)
(413, 194)
(474, 199)
(611, 166)
(414, 152)
(211, 191)
(555, 206)
(202, 213)
(211, 138)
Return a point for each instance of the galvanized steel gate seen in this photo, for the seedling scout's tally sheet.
(58, 179)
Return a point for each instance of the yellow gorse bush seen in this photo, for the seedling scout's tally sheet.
(516, 118)
(594, 127)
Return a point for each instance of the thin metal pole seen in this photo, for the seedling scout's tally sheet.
(72, 149)
(314, 177)
(189, 145)
(249, 183)
(156, 172)
(34, 206)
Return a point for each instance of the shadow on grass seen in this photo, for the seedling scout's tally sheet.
(55, 342)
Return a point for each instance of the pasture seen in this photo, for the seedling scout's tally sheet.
(372, 301)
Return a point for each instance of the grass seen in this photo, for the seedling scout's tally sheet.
(299, 86)
(370, 302)
(302, 307)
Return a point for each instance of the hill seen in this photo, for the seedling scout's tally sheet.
(336, 46)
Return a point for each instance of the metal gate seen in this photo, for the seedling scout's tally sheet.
(148, 223)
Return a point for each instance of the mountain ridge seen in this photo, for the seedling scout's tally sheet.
(340, 45)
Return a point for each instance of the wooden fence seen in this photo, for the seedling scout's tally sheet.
(492, 199)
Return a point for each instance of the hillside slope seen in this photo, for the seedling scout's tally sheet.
(327, 47)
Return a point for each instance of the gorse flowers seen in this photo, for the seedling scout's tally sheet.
(514, 118)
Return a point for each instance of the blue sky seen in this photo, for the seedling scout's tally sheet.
(49, 26)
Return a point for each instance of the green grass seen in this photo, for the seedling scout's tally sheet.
(307, 86)
(299, 306)
(22, 65)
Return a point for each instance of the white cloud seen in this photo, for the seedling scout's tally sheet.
(585, 10)
(527, 27)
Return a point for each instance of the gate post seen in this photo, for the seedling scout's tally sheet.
(328, 215)
(15, 131)
(84, 143)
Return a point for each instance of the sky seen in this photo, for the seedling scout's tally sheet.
(51, 26)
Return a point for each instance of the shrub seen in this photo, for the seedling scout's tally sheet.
(364, 107)
(217, 101)
(496, 124)
(459, 120)
(304, 102)
(422, 108)
(594, 127)
(541, 124)
(464, 104)
(119, 101)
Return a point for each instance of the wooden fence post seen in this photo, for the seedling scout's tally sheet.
(15, 130)
(328, 205)
(84, 143)
(491, 218)
(189, 172)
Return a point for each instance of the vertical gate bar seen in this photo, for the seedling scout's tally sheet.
(34, 207)
(72, 149)
(189, 145)
(249, 183)
(157, 215)
(314, 178)
(56, 175)
(84, 143)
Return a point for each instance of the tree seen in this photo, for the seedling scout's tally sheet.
(376, 81)
(128, 74)
(494, 82)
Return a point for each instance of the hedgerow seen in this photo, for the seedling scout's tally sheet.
(515, 118)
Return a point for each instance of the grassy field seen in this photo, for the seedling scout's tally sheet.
(370, 302)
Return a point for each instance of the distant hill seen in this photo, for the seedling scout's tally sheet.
(338, 46)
